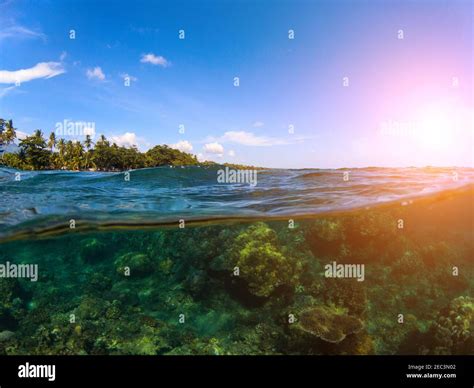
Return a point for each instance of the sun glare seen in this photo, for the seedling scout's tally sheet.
(437, 125)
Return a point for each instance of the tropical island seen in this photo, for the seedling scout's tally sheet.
(35, 152)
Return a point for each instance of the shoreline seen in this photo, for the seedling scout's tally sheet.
(204, 165)
(243, 166)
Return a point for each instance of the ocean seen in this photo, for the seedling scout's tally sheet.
(175, 261)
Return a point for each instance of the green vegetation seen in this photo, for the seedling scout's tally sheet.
(7, 131)
(37, 153)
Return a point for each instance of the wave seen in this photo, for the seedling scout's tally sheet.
(45, 201)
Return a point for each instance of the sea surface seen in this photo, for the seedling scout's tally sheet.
(169, 261)
(165, 195)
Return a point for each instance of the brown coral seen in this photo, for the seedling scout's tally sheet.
(329, 324)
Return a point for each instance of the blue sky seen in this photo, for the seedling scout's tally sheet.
(407, 98)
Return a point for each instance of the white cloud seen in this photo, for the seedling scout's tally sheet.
(40, 70)
(127, 139)
(63, 56)
(231, 153)
(18, 31)
(250, 139)
(5, 91)
(21, 135)
(214, 148)
(154, 60)
(182, 145)
(258, 124)
(95, 73)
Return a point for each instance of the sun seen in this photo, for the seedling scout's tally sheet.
(436, 126)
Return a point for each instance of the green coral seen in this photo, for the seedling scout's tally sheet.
(209, 347)
(11, 303)
(139, 264)
(326, 237)
(453, 330)
(328, 229)
(408, 264)
(92, 250)
(389, 332)
(346, 293)
(260, 261)
(9, 290)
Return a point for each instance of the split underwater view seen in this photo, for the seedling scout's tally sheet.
(259, 189)
(168, 261)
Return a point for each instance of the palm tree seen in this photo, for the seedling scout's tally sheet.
(9, 133)
(88, 142)
(58, 157)
(38, 156)
(61, 146)
(52, 141)
(38, 134)
(88, 145)
(38, 153)
(78, 152)
(103, 141)
(68, 154)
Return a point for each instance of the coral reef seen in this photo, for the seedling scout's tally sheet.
(11, 303)
(183, 295)
(139, 264)
(92, 249)
(329, 324)
(346, 293)
(261, 263)
(453, 330)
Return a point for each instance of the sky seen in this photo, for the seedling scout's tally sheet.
(286, 84)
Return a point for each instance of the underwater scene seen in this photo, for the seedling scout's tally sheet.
(168, 261)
